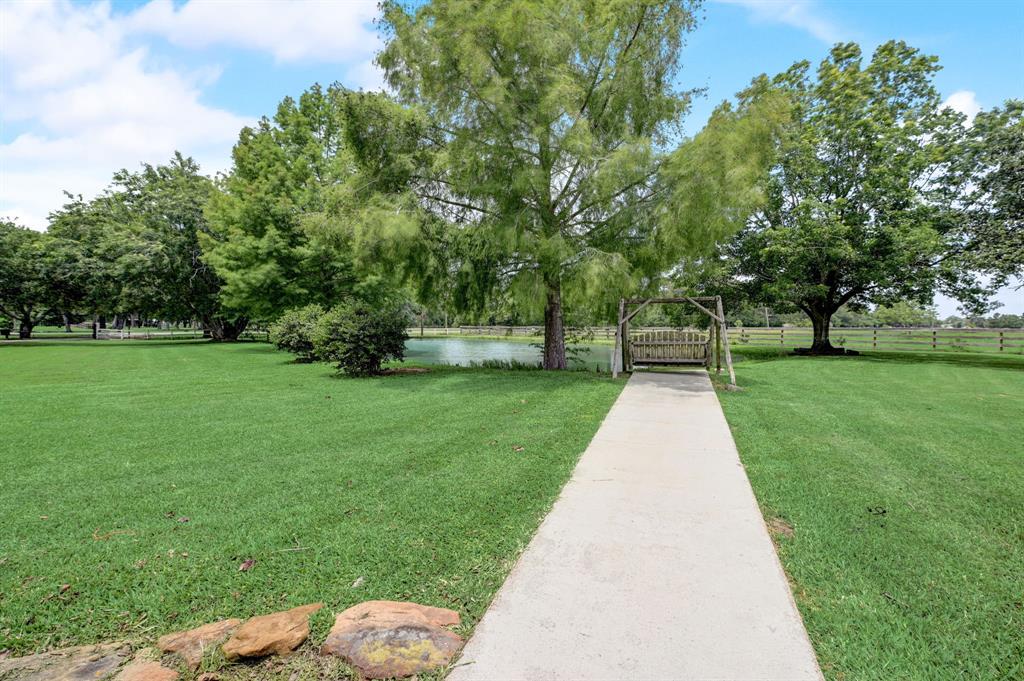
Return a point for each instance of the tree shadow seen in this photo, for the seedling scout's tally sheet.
(974, 360)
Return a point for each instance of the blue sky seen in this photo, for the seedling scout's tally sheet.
(90, 87)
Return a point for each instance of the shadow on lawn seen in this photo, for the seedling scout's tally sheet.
(467, 379)
(978, 360)
(964, 359)
(93, 343)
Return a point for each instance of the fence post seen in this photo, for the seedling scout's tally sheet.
(782, 336)
(935, 338)
(1000, 341)
(874, 338)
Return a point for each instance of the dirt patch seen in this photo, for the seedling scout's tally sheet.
(780, 528)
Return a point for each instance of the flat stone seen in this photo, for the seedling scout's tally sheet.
(81, 663)
(146, 671)
(276, 634)
(386, 639)
(191, 644)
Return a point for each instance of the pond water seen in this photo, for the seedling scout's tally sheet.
(465, 351)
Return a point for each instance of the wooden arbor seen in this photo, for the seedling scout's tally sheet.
(674, 347)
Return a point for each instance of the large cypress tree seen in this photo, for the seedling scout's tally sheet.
(545, 124)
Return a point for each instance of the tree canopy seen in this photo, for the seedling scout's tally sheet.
(263, 240)
(529, 158)
(990, 164)
(859, 209)
(135, 249)
(27, 281)
(545, 125)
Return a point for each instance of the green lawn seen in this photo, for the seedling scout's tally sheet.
(903, 479)
(142, 475)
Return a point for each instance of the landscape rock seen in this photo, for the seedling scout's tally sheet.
(386, 639)
(81, 663)
(191, 644)
(146, 671)
(277, 634)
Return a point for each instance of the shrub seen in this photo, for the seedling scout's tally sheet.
(360, 337)
(293, 331)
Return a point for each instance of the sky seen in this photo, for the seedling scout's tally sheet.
(87, 88)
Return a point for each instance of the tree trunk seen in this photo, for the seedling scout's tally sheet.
(554, 329)
(25, 326)
(821, 344)
(221, 329)
(67, 322)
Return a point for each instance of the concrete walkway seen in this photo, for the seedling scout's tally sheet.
(654, 562)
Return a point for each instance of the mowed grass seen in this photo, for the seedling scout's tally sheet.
(137, 478)
(903, 479)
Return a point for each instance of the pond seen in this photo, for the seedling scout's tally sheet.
(465, 351)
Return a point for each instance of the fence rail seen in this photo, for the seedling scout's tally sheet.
(257, 334)
(147, 334)
(909, 339)
(889, 338)
(597, 332)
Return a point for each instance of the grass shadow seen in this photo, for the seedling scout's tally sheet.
(976, 360)
(92, 343)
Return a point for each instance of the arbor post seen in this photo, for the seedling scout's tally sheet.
(617, 353)
(718, 349)
(626, 359)
(725, 339)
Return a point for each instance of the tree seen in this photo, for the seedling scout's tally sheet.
(858, 206)
(135, 249)
(26, 291)
(164, 206)
(264, 240)
(103, 259)
(545, 125)
(991, 167)
(1006, 321)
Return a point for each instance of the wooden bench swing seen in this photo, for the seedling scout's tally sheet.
(672, 347)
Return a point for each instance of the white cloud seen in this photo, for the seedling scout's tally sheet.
(47, 44)
(801, 14)
(324, 30)
(82, 96)
(964, 101)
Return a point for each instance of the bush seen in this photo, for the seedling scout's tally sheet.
(293, 332)
(361, 337)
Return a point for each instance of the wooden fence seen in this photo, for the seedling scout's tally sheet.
(596, 332)
(857, 338)
(888, 338)
(142, 333)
